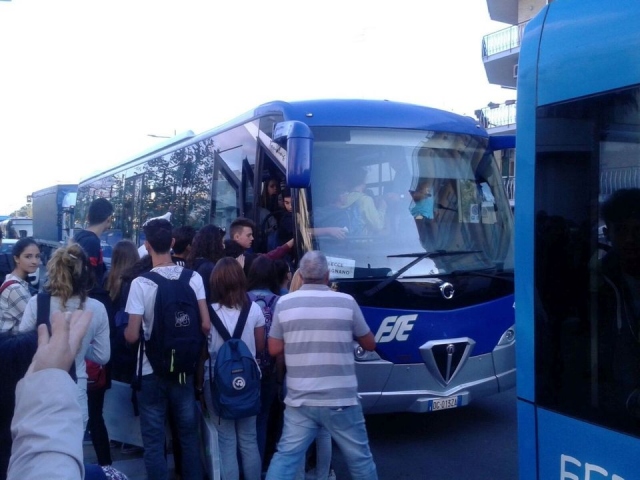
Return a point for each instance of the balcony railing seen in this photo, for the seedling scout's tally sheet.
(510, 187)
(497, 115)
(503, 40)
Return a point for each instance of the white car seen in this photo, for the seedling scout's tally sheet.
(7, 247)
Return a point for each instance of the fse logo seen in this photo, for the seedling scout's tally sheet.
(395, 328)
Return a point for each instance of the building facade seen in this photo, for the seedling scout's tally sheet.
(500, 53)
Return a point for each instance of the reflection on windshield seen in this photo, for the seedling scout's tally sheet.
(377, 195)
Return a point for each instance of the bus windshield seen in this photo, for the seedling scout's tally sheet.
(381, 198)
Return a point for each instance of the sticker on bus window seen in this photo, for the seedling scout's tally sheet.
(341, 267)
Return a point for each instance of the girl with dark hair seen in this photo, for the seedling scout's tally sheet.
(283, 274)
(263, 276)
(207, 248)
(125, 255)
(15, 289)
(125, 266)
(68, 284)
(229, 285)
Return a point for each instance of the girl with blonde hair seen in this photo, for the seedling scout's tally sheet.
(69, 281)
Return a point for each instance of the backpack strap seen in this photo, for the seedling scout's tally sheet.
(185, 275)
(156, 278)
(261, 297)
(222, 330)
(273, 301)
(217, 323)
(44, 310)
(242, 320)
(7, 284)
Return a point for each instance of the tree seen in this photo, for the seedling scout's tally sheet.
(24, 211)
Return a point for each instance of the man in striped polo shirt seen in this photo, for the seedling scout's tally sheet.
(315, 327)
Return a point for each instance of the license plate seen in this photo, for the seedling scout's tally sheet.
(443, 403)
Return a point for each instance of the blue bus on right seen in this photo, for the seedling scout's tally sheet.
(577, 242)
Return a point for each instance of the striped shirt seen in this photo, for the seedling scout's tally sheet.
(13, 302)
(318, 327)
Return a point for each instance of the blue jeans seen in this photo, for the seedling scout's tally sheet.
(347, 428)
(323, 457)
(154, 396)
(233, 436)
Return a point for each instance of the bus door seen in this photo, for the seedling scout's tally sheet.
(225, 194)
(235, 157)
(271, 183)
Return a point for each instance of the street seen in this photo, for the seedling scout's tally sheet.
(478, 442)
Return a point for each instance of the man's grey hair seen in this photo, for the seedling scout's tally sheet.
(314, 267)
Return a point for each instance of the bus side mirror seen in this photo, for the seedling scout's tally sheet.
(502, 142)
(299, 142)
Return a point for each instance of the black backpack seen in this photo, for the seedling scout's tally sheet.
(235, 386)
(175, 345)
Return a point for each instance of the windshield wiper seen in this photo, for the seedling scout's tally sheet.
(482, 273)
(420, 257)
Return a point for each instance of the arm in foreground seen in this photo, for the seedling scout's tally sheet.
(47, 424)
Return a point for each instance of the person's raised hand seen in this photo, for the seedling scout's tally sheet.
(60, 349)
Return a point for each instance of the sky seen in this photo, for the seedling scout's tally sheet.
(83, 84)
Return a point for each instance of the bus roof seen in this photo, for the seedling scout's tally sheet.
(330, 113)
(592, 53)
(369, 113)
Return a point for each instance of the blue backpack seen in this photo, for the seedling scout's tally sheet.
(176, 340)
(235, 386)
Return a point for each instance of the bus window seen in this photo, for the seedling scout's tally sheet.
(587, 259)
(462, 178)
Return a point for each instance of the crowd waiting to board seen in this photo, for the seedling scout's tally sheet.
(108, 317)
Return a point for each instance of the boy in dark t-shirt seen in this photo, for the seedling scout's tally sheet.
(99, 218)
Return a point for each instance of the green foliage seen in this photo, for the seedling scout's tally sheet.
(24, 211)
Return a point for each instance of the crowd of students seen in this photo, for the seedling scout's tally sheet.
(118, 309)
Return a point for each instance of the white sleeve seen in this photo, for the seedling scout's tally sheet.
(47, 428)
(256, 317)
(30, 315)
(100, 347)
(198, 286)
(135, 300)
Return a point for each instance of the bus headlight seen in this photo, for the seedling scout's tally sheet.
(363, 355)
(508, 337)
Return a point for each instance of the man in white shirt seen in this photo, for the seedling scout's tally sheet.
(156, 390)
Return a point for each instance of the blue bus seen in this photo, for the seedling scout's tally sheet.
(406, 201)
(578, 220)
